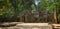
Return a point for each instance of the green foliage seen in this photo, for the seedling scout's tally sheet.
(6, 10)
(33, 7)
(46, 5)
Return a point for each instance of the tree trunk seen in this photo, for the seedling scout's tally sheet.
(55, 16)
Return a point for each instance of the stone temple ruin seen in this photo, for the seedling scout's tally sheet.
(34, 16)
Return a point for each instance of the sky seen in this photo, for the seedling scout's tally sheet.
(37, 1)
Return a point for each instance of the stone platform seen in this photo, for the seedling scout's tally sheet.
(29, 26)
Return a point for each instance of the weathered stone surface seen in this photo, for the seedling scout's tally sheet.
(30, 26)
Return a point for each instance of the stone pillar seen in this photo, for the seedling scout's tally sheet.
(26, 20)
(20, 18)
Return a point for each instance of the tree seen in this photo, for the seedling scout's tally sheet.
(48, 5)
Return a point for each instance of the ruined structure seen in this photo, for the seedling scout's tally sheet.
(25, 16)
